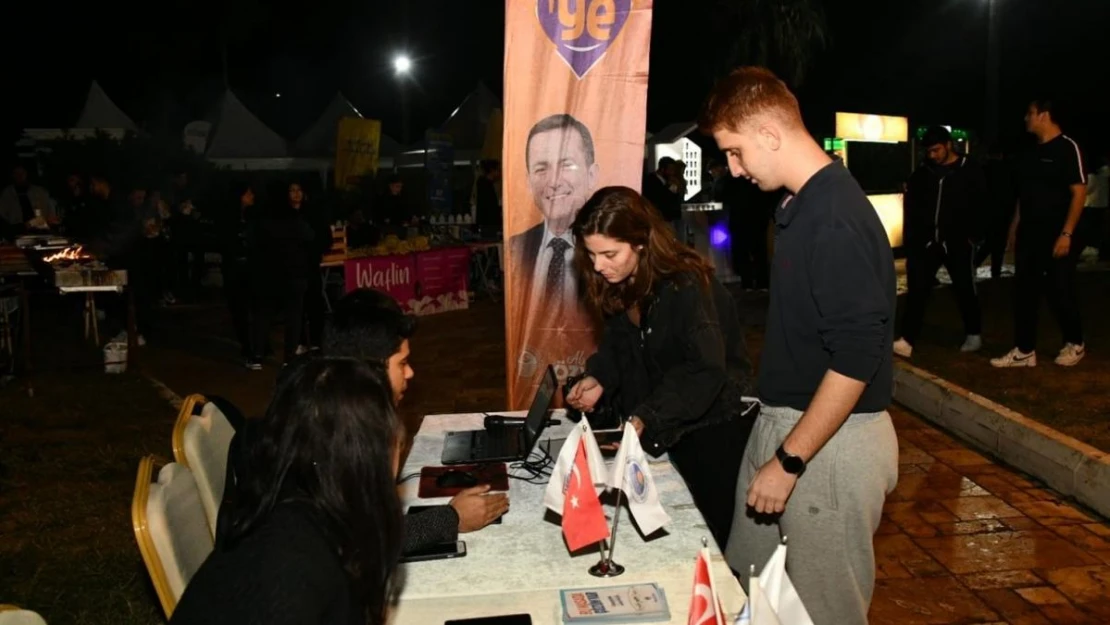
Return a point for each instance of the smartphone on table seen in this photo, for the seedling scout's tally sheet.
(439, 551)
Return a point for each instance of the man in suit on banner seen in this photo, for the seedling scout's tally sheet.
(562, 174)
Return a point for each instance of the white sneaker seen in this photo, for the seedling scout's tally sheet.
(903, 348)
(1071, 355)
(1015, 358)
(972, 343)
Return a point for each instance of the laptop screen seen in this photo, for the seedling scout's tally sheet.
(537, 414)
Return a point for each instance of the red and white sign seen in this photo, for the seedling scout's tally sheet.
(423, 283)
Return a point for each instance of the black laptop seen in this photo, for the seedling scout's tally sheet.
(504, 444)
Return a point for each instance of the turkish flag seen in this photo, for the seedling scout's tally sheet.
(704, 607)
(583, 519)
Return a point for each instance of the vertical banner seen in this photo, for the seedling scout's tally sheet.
(576, 76)
(356, 150)
(439, 161)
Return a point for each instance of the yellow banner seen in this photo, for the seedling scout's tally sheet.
(356, 153)
(574, 115)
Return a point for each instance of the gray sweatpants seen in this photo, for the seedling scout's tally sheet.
(830, 518)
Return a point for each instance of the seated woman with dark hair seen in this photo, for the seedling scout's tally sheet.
(672, 355)
(316, 531)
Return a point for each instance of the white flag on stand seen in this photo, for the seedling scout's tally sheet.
(553, 495)
(772, 597)
(631, 474)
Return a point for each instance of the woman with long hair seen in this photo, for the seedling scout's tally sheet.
(316, 531)
(672, 356)
(280, 248)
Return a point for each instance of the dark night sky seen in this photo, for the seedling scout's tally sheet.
(922, 58)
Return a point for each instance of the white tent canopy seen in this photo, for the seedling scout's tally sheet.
(467, 124)
(101, 112)
(238, 134)
(320, 138)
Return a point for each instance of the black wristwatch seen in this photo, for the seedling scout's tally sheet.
(793, 465)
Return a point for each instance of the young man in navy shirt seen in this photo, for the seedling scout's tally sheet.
(1052, 188)
(823, 453)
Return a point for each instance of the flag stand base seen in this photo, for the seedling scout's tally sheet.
(606, 568)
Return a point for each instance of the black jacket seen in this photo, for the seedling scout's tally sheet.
(685, 367)
(945, 203)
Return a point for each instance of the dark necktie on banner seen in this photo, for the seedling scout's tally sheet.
(574, 122)
(557, 270)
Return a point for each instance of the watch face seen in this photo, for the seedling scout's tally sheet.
(793, 464)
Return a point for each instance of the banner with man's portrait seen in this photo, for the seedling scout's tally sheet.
(575, 108)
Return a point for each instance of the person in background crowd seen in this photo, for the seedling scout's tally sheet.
(486, 199)
(319, 222)
(73, 208)
(754, 208)
(24, 205)
(823, 454)
(117, 241)
(946, 199)
(316, 535)
(659, 190)
(235, 268)
(1000, 210)
(1052, 188)
(672, 350)
(1097, 206)
(186, 239)
(393, 211)
(280, 246)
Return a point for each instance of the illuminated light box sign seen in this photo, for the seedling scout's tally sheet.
(873, 128)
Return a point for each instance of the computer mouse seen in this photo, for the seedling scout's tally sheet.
(456, 479)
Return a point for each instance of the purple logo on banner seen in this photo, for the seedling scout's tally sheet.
(582, 30)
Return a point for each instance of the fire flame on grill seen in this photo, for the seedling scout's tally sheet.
(74, 252)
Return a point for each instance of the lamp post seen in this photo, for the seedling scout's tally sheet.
(992, 69)
(402, 68)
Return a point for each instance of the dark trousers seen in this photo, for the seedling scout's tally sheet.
(921, 269)
(314, 308)
(1036, 271)
(288, 297)
(709, 461)
(749, 254)
(237, 294)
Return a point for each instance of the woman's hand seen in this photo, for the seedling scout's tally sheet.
(584, 395)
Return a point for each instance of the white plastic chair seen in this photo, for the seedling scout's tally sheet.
(13, 615)
(201, 438)
(170, 528)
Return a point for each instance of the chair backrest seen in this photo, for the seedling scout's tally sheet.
(190, 407)
(170, 528)
(201, 443)
(13, 615)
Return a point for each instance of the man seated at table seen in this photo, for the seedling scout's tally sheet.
(369, 325)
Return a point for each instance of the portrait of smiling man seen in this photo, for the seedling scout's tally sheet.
(562, 175)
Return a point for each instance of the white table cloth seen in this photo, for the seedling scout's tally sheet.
(520, 565)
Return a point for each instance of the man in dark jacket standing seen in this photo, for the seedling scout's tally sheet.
(945, 201)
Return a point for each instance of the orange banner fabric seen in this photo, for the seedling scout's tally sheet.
(575, 108)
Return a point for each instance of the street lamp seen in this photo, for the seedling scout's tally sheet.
(402, 68)
(402, 64)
